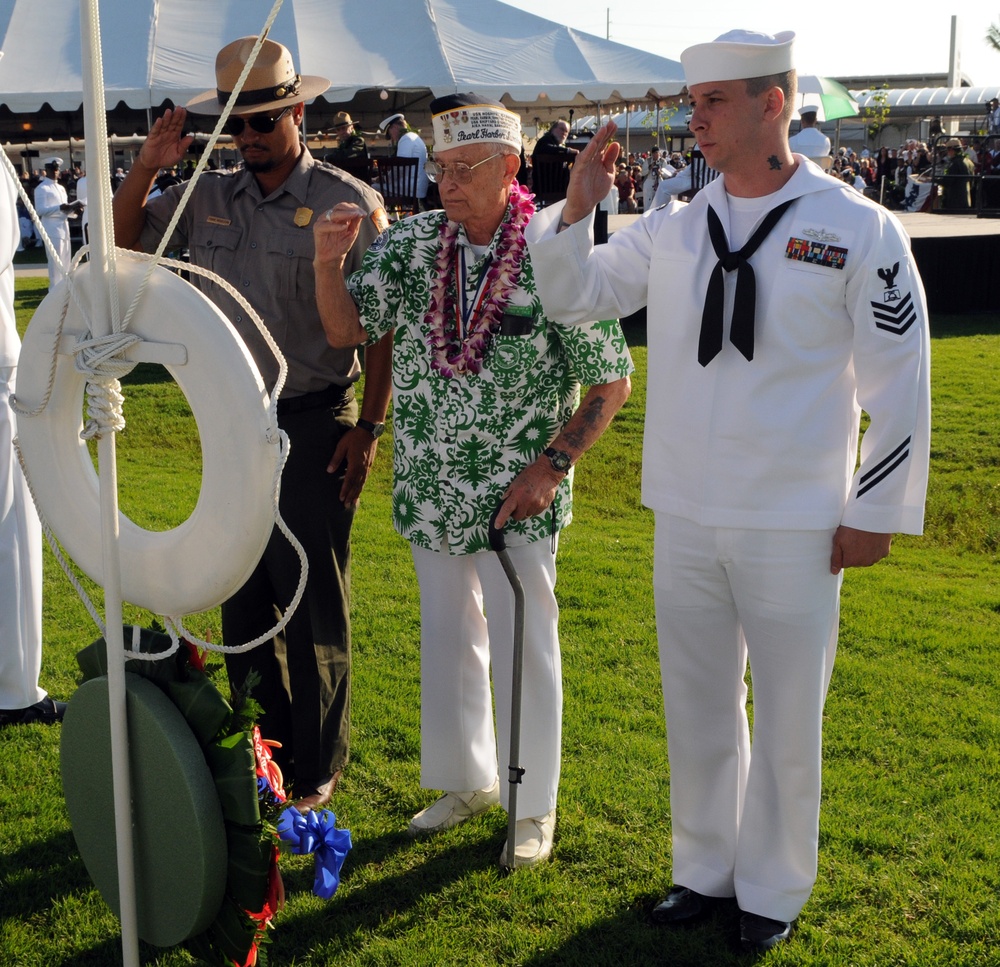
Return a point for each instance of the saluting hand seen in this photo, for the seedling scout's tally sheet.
(166, 144)
(592, 174)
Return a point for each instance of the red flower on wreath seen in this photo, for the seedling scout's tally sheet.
(274, 901)
(267, 768)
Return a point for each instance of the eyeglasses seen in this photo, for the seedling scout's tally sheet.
(261, 123)
(462, 173)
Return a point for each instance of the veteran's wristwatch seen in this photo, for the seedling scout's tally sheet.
(559, 459)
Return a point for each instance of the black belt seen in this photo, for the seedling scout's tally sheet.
(332, 396)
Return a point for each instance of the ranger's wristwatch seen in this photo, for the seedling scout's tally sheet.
(559, 459)
(375, 429)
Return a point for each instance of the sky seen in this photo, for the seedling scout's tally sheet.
(888, 39)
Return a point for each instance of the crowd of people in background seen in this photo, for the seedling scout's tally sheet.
(884, 174)
(74, 181)
(890, 173)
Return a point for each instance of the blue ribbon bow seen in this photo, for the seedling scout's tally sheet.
(316, 832)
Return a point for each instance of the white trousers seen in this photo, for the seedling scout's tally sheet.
(745, 823)
(20, 570)
(63, 246)
(458, 645)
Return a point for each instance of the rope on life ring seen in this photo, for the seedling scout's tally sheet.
(198, 564)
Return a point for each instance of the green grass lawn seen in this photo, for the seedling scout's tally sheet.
(910, 838)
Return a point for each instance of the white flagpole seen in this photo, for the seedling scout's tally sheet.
(104, 320)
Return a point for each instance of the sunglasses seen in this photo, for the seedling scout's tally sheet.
(261, 123)
(462, 173)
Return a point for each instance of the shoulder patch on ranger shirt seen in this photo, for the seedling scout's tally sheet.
(379, 219)
(893, 310)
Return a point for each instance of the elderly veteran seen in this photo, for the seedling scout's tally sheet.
(487, 412)
(253, 227)
(780, 304)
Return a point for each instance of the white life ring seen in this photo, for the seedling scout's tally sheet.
(201, 562)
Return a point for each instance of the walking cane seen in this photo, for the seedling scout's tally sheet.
(514, 771)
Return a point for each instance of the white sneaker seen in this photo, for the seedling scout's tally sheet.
(454, 808)
(532, 841)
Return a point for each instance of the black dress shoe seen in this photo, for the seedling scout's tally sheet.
(682, 905)
(762, 933)
(48, 711)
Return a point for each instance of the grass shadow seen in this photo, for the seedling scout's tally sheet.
(34, 875)
(632, 938)
(362, 912)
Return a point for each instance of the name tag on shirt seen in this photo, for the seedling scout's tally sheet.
(517, 321)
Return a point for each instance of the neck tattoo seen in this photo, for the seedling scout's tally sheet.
(774, 163)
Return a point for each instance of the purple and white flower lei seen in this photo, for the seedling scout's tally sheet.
(451, 355)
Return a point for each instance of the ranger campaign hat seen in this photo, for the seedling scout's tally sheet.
(272, 81)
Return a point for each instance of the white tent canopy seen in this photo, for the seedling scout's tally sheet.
(155, 50)
(929, 101)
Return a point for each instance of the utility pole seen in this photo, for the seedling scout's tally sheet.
(607, 26)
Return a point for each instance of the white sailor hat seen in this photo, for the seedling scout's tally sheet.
(53, 162)
(737, 55)
(384, 126)
(809, 109)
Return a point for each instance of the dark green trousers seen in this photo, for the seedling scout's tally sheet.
(305, 687)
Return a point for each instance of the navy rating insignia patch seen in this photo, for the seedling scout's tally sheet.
(895, 312)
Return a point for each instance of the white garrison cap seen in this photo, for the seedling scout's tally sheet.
(737, 55)
(461, 119)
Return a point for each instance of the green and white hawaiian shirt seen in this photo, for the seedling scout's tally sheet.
(459, 441)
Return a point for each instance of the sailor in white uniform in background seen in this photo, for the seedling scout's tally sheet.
(809, 140)
(54, 208)
(22, 702)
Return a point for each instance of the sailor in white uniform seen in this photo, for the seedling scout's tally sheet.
(809, 140)
(760, 364)
(54, 208)
(22, 700)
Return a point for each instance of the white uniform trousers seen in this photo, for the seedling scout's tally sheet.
(20, 570)
(745, 824)
(458, 644)
(59, 234)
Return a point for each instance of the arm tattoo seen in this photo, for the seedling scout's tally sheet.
(591, 416)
